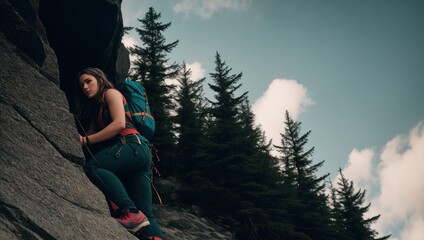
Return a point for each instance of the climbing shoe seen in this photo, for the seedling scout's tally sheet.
(140, 235)
(144, 237)
(133, 221)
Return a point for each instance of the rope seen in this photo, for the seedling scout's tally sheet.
(86, 137)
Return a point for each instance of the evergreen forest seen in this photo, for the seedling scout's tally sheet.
(224, 162)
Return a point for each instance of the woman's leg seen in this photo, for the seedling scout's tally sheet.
(103, 171)
(140, 191)
(122, 173)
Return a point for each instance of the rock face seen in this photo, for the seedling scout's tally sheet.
(85, 34)
(44, 193)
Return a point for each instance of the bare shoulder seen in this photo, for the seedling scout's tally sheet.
(113, 95)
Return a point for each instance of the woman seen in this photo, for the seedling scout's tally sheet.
(121, 167)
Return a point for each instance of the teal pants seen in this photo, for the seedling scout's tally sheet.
(122, 172)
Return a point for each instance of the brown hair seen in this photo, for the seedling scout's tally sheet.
(85, 107)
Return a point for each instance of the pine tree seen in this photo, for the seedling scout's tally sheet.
(236, 178)
(215, 176)
(189, 122)
(151, 67)
(307, 202)
(259, 190)
(350, 209)
(335, 214)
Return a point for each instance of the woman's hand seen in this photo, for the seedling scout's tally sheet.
(83, 140)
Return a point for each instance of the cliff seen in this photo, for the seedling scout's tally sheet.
(44, 193)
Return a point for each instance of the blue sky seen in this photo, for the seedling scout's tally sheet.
(351, 71)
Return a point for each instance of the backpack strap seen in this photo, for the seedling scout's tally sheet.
(143, 114)
(148, 110)
(129, 124)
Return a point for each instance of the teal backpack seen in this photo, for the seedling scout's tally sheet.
(138, 106)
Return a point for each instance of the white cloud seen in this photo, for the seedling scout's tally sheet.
(270, 108)
(401, 173)
(206, 8)
(400, 179)
(129, 41)
(197, 70)
(358, 168)
(414, 230)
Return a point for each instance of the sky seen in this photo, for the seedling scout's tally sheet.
(350, 71)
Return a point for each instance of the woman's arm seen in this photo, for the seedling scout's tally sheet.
(114, 101)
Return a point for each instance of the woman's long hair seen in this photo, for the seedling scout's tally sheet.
(86, 108)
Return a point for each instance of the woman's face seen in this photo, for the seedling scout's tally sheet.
(89, 85)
